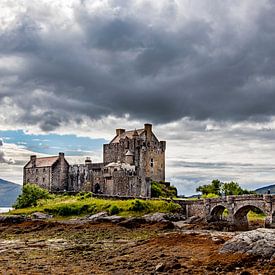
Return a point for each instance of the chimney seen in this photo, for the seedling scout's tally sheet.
(88, 162)
(120, 131)
(33, 160)
(148, 129)
(61, 155)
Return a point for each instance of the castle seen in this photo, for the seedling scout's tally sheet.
(130, 162)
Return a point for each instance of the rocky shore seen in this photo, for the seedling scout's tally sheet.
(152, 244)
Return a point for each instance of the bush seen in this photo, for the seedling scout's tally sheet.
(163, 189)
(138, 206)
(113, 210)
(31, 193)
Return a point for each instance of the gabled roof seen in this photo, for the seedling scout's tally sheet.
(127, 134)
(43, 162)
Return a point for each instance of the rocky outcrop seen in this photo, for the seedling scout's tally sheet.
(259, 242)
(41, 216)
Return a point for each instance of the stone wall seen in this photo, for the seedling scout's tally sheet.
(79, 175)
(60, 171)
(40, 176)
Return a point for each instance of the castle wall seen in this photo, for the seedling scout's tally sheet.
(40, 176)
(79, 175)
(59, 182)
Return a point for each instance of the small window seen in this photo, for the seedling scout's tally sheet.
(36, 170)
(44, 170)
(152, 163)
(43, 179)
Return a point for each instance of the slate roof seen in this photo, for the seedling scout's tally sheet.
(43, 162)
(128, 134)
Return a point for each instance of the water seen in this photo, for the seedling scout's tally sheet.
(4, 209)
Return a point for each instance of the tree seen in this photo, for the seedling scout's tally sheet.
(31, 193)
(213, 188)
(227, 188)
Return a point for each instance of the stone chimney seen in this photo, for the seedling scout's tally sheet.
(61, 155)
(33, 160)
(148, 129)
(88, 163)
(120, 131)
(88, 160)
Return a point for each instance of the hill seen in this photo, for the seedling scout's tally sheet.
(263, 190)
(9, 191)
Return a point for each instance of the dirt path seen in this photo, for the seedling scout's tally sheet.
(56, 248)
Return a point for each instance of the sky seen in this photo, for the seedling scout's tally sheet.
(202, 72)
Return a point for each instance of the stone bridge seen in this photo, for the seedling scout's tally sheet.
(237, 207)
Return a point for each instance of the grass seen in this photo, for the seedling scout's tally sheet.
(64, 206)
(252, 216)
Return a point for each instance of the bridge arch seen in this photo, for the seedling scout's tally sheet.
(216, 213)
(240, 215)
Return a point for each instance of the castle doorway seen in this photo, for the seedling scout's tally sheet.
(97, 188)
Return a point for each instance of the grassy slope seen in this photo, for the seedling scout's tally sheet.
(81, 205)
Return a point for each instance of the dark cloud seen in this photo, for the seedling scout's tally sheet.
(156, 66)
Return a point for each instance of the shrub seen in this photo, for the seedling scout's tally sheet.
(163, 189)
(31, 193)
(113, 210)
(138, 206)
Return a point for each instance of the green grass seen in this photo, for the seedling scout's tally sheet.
(252, 216)
(64, 206)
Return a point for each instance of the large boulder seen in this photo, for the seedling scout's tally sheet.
(96, 217)
(41, 216)
(103, 217)
(259, 242)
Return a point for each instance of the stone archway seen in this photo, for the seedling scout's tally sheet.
(216, 214)
(97, 189)
(240, 216)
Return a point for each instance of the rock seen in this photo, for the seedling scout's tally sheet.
(103, 217)
(180, 224)
(166, 267)
(218, 240)
(259, 242)
(194, 219)
(113, 219)
(163, 217)
(97, 216)
(156, 217)
(160, 267)
(174, 217)
(41, 216)
(132, 222)
(13, 218)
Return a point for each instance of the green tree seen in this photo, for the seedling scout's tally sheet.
(227, 188)
(213, 188)
(31, 193)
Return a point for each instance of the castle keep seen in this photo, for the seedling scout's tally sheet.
(130, 162)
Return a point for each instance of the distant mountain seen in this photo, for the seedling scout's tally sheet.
(9, 191)
(264, 190)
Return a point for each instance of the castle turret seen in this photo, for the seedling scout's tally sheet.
(129, 157)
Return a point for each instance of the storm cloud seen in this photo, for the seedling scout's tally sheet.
(64, 61)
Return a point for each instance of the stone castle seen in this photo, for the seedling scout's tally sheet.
(131, 161)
